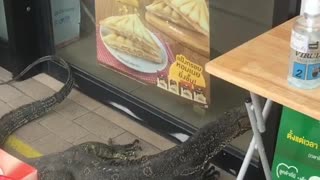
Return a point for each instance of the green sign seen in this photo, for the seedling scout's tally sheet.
(297, 153)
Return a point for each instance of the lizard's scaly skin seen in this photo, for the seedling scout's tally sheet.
(187, 161)
(26, 113)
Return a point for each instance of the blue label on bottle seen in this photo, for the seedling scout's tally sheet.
(299, 70)
(313, 71)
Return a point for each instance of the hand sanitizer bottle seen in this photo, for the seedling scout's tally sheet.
(304, 66)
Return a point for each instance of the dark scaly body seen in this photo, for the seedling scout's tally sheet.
(183, 162)
(26, 113)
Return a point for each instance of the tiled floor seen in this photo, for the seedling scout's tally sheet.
(78, 119)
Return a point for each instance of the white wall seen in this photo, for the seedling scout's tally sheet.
(3, 24)
(303, 2)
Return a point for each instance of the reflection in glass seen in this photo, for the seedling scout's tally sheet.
(3, 25)
(230, 26)
(78, 45)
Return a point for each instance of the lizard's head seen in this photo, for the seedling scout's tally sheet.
(236, 122)
(242, 126)
(216, 135)
(231, 124)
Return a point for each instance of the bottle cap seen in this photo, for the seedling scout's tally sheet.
(312, 7)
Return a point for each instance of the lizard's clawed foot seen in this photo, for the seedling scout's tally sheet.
(135, 145)
(211, 173)
(128, 151)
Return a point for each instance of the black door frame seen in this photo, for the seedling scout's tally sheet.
(29, 35)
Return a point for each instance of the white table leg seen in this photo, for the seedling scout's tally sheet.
(258, 112)
(259, 142)
(247, 159)
(257, 120)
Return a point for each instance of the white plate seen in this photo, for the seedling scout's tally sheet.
(136, 63)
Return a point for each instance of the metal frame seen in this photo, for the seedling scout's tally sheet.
(257, 118)
(4, 49)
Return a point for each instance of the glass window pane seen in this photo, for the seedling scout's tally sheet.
(135, 34)
(235, 22)
(156, 51)
(3, 25)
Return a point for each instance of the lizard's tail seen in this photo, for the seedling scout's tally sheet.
(27, 113)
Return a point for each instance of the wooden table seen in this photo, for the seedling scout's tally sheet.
(261, 66)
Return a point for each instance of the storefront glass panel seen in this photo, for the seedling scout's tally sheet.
(156, 50)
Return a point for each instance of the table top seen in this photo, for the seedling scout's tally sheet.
(261, 66)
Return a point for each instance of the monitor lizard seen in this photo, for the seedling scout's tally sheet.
(98, 161)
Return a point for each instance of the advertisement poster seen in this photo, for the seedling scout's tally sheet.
(164, 43)
(297, 154)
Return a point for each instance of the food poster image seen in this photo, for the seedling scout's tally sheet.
(164, 43)
(297, 154)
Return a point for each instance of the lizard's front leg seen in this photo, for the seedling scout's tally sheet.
(111, 151)
(210, 172)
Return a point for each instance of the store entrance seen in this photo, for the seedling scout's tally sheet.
(108, 66)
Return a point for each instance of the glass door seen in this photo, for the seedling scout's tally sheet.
(81, 37)
(82, 40)
(146, 57)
